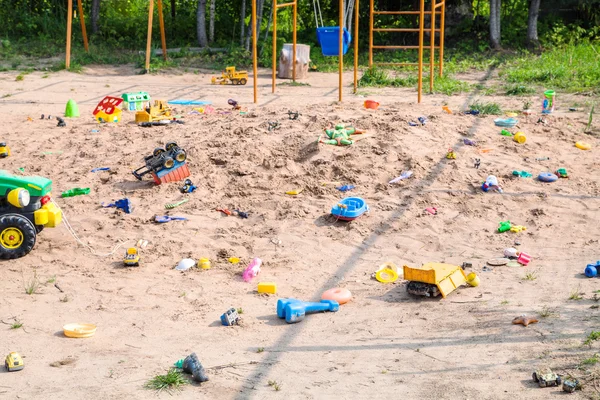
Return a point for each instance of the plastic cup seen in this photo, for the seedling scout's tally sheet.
(520, 137)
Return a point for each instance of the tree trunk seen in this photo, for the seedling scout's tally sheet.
(211, 25)
(242, 22)
(262, 49)
(349, 16)
(95, 14)
(286, 65)
(173, 15)
(532, 32)
(201, 23)
(259, 16)
(495, 6)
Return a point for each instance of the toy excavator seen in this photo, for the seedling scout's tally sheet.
(158, 112)
(231, 76)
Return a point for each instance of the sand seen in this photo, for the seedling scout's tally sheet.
(382, 344)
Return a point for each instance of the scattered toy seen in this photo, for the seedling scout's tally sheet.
(504, 132)
(294, 192)
(518, 228)
(542, 121)
(477, 163)
(230, 317)
(542, 159)
(293, 115)
(350, 208)
(188, 187)
(230, 76)
(522, 174)
(547, 177)
(204, 263)
(234, 104)
(504, 226)
(161, 219)
(570, 385)
(185, 264)
(252, 269)
(562, 173)
(170, 206)
(165, 165)
(341, 295)
(403, 175)
(273, 125)
(4, 150)
(71, 110)
(583, 145)
(510, 252)
(524, 258)
(472, 112)
(591, 270)
(78, 330)
(108, 110)
(136, 101)
(473, 280)
(294, 310)
(345, 188)
(75, 192)
(158, 112)
(122, 204)
(520, 138)
(446, 109)
(241, 214)
(192, 365)
(451, 155)
(100, 169)
(61, 122)
(132, 258)
(142, 243)
(497, 262)
(224, 211)
(13, 362)
(431, 210)
(469, 142)
(387, 273)
(524, 320)
(183, 102)
(233, 260)
(422, 120)
(433, 279)
(267, 287)
(545, 377)
(467, 265)
(506, 122)
(340, 135)
(548, 103)
(491, 183)
(371, 104)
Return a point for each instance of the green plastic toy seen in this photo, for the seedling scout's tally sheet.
(340, 135)
(562, 172)
(71, 111)
(75, 192)
(522, 174)
(505, 133)
(504, 226)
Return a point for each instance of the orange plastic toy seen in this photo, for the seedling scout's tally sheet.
(341, 295)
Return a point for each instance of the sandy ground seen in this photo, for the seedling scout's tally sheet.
(382, 344)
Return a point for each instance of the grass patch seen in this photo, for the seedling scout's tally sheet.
(588, 127)
(504, 302)
(548, 313)
(52, 279)
(275, 385)
(518, 90)
(260, 349)
(592, 360)
(592, 337)
(292, 83)
(530, 276)
(16, 325)
(20, 77)
(576, 294)
(173, 380)
(486, 108)
(32, 285)
(240, 310)
(449, 86)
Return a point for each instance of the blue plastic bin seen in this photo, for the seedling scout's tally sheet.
(328, 37)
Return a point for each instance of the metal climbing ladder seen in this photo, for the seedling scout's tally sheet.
(421, 13)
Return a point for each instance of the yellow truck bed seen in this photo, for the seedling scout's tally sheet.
(446, 277)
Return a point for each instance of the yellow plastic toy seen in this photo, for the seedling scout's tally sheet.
(13, 362)
(520, 137)
(267, 287)
(294, 192)
(451, 155)
(473, 279)
(583, 145)
(433, 279)
(132, 257)
(158, 112)
(4, 150)
(204, 263)
(387, 273)
(231, 76)
(517, 228)
(76, 330)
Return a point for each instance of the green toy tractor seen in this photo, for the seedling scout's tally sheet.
(25, 209)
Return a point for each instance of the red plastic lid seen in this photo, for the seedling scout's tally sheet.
(108, 105)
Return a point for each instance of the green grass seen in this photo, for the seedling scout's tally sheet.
(275, 385)
(548, 313)
(173, 380)
(16, 325)
(530, 276)
(592, 337)
(486, 108)
(378, 77)
(592, 360)
(575, 294)
(32, 285)
(518, 90)
(260, 349)
(292, 83)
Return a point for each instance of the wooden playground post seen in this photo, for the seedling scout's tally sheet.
(341, 48)
(163, 39)
(432, 46)
(356, 46)
(273, 63)
(421, 26)
(83, 30)
(276, 6)
(294, 35)
(69, 23)
(442, 28)
(371, 34)
(149, 40)
(254, 58)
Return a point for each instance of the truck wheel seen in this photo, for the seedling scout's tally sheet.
(180, 156)
(17, 236)
(168, 163)
(535, 377)
(234, 81)
(243, 81)
(170, 145)
(558, 381)
(157, 152)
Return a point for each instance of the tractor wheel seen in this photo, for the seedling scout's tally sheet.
(234, 82)
(168, 163)
(170, 145)
(17, 236)
(535, 377)
(180, 156)
(558, 380)
(157, 152)
(243, 81)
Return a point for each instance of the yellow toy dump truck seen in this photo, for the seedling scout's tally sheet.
(433, 279)
(159, 111)
(231, 76)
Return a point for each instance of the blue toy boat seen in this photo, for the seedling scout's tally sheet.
(350, 208)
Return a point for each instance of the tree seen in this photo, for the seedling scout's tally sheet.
(95, 14)
(532, 32)
(242, 22)
(201, 23)
(495, 24)
(211, 25)
(259, 16)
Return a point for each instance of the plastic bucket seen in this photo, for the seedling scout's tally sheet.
(520, 137)
(473, 279)
(371, 104)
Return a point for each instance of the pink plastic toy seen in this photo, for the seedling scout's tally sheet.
(524, 258)
(252, 269)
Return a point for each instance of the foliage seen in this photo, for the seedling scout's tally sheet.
(486, 108)
(172, 380)
(518, 90)
(592, 337)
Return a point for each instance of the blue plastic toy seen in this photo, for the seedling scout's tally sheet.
(101, 169)
(350, 208)
(345, 188)
(329, 39)
(230, 317)
(161, 219)
(123, 204)
(592, 270)
(547, 177)
(294, 310)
